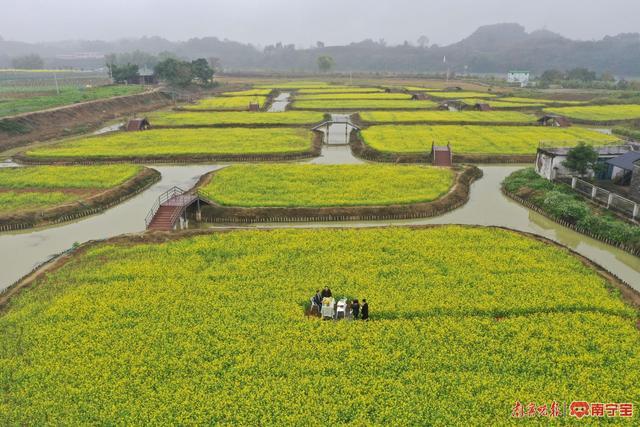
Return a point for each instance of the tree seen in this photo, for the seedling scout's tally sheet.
(320, 45)
(581, 74)
(423, 41)
(551, 77)
(581, 159)
(175, 72)
(123, 73)
(202, 71)
(325, 63)
(28, 62)
(607, 77)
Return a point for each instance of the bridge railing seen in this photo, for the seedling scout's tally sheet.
(170, 193)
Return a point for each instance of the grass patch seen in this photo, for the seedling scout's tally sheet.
(67, 96)
(477, 139)
(287, 185)
(209, 329)
(180, 142)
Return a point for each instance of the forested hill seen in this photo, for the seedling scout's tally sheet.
(490, 49)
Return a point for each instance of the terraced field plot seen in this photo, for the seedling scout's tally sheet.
(238, 103)
(538, 101)
(446, 116)
(295, 85)
(498, 103)
(420, 89)
(477, 139)
(249, 92)
(341, 89)
(464, 321)
(341, 96)
(40, 187)
(203, 118)
(599, 113)
(459, 95)
(179, 143)
(362, 104)
(285, 185)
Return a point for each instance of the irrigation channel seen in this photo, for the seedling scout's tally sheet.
(20, 252)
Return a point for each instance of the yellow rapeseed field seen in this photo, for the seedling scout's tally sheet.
(211, 330)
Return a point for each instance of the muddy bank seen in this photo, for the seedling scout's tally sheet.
(84, 207)
(59, 122)
(313, 151)
(457, 196)
(364, 151)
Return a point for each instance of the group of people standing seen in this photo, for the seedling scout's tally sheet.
(358, 310)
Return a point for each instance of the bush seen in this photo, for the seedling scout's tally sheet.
(565, 207)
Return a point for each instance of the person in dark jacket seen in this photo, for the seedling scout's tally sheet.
(365, 310)
(317, 299)
(326, 292)
(355, 309)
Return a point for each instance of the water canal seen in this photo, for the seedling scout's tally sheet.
(20, 252)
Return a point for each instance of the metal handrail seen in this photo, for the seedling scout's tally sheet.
(176, 214)
(172, 192)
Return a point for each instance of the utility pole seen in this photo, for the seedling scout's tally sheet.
(55, 78)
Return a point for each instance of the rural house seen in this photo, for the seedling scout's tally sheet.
(519, 77)
(549, 160)
(138, 124)
(554, 121)
(481, 106)
(621, 169)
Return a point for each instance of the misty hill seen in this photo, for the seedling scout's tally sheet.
(490, 49)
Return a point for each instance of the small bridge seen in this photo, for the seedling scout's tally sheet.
(333, 130)
(441, 155)
(169, 208)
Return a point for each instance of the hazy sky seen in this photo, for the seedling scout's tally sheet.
(305, 21)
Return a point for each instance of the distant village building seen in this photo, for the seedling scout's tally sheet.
(549, 161)
(452, 105)
(481, 106)
(519, 77)
(138, 124)
(146, 76)
(419, 97)
(554, 121)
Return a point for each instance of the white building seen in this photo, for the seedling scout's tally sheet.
(549, 160)
(519, 77)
